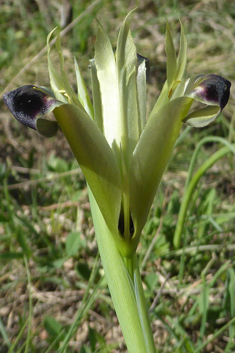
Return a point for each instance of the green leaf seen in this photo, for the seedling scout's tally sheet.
(11, 255)
(151, 281)
(151, 156)
(126, 58)
(95, 158)
(83, 270)
(52, 326)
(171, 64)
(182, 56)
(23, 242)
(96, 95)
(141, 93)
(73, 243)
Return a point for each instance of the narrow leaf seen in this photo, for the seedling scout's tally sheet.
(95, 158)
(171, 64)
(96, 94)
(141, 93)
(126, 58)
(152, 154)
(182, 57)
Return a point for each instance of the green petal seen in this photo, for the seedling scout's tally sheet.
(151, 156)
(95, 158)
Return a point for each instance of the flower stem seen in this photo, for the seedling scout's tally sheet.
(125, 287)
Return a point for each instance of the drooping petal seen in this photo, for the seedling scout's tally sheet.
(212, 90)
(29, 104)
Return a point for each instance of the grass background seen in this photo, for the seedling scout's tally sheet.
(52, 295)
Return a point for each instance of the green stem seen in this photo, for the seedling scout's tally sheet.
(126, 291)
(189, 191)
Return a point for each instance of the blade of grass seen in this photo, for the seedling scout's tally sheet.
(203, 307)
(29, 331)
(190, 189)
(216, 334)
(188, 344)
(11, 349)
(85, 306)
(4, 334)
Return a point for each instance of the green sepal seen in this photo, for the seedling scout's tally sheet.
(202, 117)
(47, 128)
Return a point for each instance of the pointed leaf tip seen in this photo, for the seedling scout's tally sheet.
(29, 103)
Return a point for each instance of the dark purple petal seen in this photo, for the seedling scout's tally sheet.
(212, 89)
(29, 103)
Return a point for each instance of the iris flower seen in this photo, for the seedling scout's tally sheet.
(122, 153)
